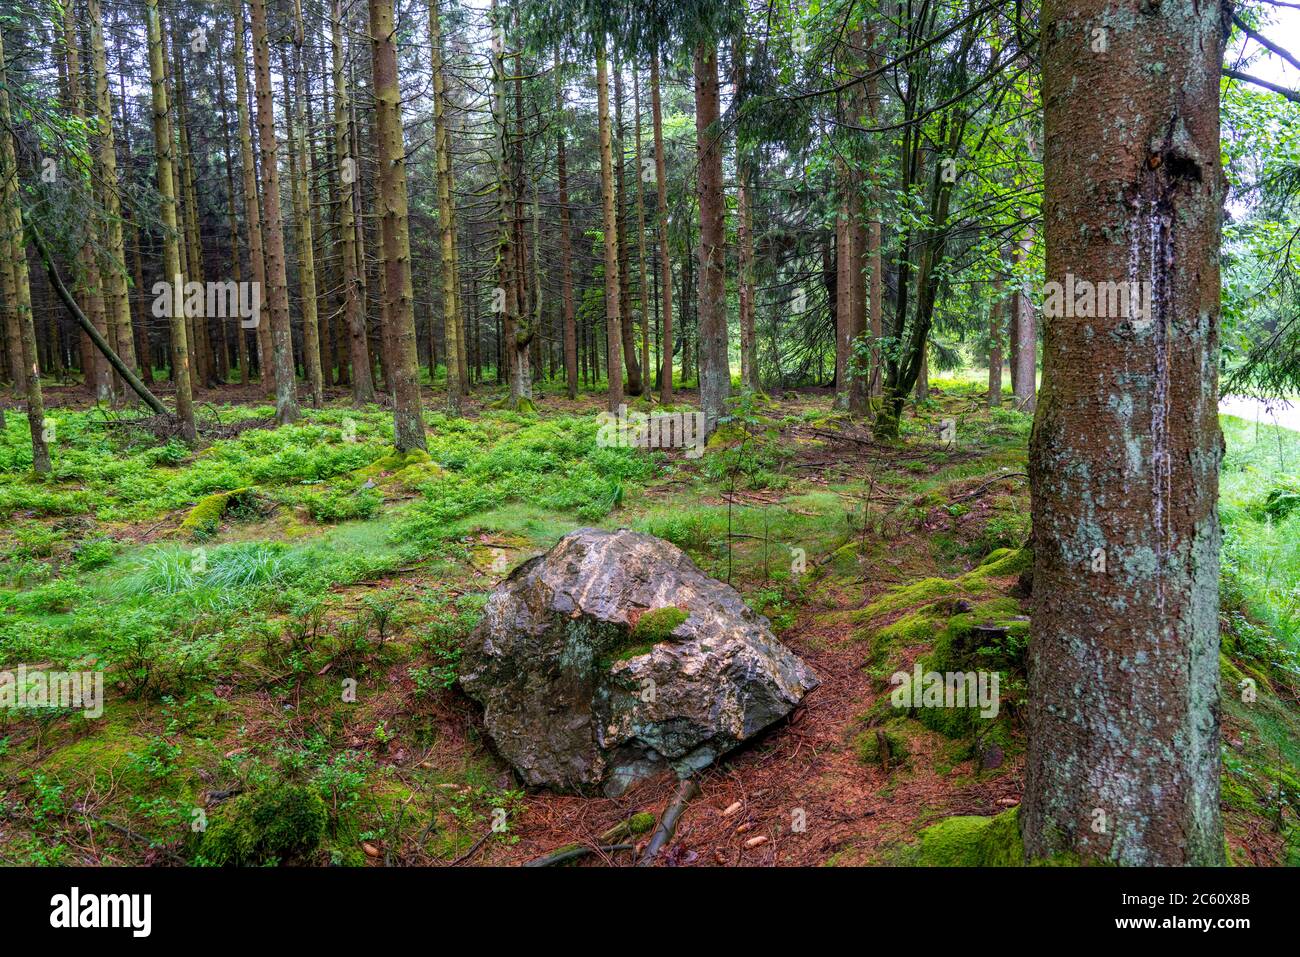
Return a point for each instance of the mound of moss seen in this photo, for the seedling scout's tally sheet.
(203, 519)
(657, 625)
(270, 826)
(969, 841)
(867, 745)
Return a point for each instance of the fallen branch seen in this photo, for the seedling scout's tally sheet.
(993, 481)
(663, 833)
(138, 837)
(470, 853)
(572, 852)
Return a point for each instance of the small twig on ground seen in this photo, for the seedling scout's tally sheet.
(993, 481)
(473, 850)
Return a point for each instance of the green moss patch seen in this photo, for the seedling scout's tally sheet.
(867, 746)
(271, 826)
(657, 625)
(969, 841)
(203, 519)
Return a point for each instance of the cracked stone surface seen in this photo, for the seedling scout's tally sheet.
(587, 684)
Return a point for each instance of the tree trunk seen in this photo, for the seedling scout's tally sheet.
(1123, 718)
(363, 387)
(236, 266)
(300, 151)
(117, 302)
(626, 334)
(200, 347)
(715, 367)
(566, 253)
(1025, 331)
(408, 416)
(996, 334)
(90, 286)
(613, 364)
(661, 230)
(639, 179)
(252, 208)
(286, 391)
(171, 258)
(14, 278)
(446, 216)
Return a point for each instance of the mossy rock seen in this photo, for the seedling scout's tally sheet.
(918, 626)
(205, 517)
(970, 841)
(277, 824)
(962, 643)
(650, 629)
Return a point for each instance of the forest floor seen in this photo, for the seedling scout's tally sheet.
(282, 609)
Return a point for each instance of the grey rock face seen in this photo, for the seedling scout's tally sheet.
(588, 682)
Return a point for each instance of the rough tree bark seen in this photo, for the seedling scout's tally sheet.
(715, 366)
(566, 251)
(408, 416)
(252, 207)
(363, 386)
(171, 258)
(614, 360)
(301, 165)
(14, 279)
(277, 291)
(1123, 758)
(117, 303)
(661, 230)
(446, 215)
(996, 335)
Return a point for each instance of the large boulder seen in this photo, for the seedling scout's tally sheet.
(612, 657)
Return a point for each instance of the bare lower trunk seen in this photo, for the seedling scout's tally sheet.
(996, 335)
(277, 291)
(715, 366)
(14, 280)
(614, 361)
(408, 415)
(1025, 331)
(363, 387)
(1123, 716)
(171, 259)
(661, 231)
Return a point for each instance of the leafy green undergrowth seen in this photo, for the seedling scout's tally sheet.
(291, 586)
(1258, 491)
(122, 474)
